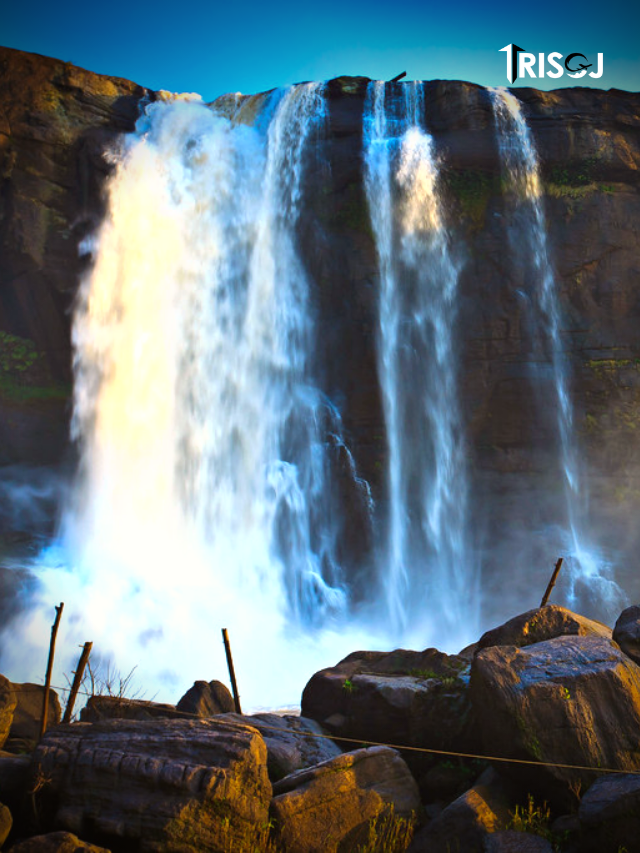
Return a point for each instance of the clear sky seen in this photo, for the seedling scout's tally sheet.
(250, 46)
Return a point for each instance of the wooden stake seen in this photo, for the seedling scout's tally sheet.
(552, 582)
(77, 681)
(232, 674)
(47, 682)
(398, 77)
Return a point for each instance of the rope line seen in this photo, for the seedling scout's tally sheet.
(344, 739)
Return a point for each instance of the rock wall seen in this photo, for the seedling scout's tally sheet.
(57, 120)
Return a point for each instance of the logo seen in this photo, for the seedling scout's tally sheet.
(522, 64)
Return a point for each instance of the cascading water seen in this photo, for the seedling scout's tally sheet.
(204, 498)
(521, 169)
(426, 562)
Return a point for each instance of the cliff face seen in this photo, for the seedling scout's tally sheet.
(56, 121)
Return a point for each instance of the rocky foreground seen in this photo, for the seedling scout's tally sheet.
(545, 711)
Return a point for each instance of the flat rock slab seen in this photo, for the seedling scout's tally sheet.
(293, 743)
(119, 708)
(327, 808)
(540, 624)
(571, 700)
(167, 785)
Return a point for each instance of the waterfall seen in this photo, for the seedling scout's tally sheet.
(426, 561)
(204, 498)
(521, 170)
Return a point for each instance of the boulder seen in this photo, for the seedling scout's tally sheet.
(627, 632)
(7, 708)
(609, 814)
(397, 698)
(510, 841)
(14, 779)
(205, 699)
(119, 708)
(570, 700)
(466, 822)
(171, 785)
(328, 808)
(27, 716)
(56, 842)
(293, 743)
(540, 624)
(6, 822)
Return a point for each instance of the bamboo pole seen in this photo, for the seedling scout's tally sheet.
(552, 582)
(77, 681)
(47, 682)
(232, 674)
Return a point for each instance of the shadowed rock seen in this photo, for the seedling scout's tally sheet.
(57, 842)
(205, 699)
(27, 716)
(540, 624)
(609, 814)
(7, 708)
(627, 632)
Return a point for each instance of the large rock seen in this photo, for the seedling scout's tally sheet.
(293, 743)
(609, 814)
(465, 823)
(510, 841)
(56, 842)
(327, 808)
(540, 624)
(398, 698)
(571, 700)
(7, 708)
(27, 716)
(172, 785)
(627, 632)
(14, 779)
(207, 698)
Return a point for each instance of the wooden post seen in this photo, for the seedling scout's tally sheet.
(398, 77)
(232, 674)
(552, 582)
(77, 681)
(47, 682)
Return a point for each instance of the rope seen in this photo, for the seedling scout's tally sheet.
(405, 747)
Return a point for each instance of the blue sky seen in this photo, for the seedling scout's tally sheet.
(212, 48)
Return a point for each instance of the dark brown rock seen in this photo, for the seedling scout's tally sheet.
(7, 708)
(14, 779)
(172, 785)
(542, 623)
(120, 708)
(57, 842)
(609, 814)
(6, 822)
(28, 713)
(570, 700)
(467, 821)
(205, 699)
(293, 743)
(327, 808)
(627, 632)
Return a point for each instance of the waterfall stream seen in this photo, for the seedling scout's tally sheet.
(528, 238)
(426, 559)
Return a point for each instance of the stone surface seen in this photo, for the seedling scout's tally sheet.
(540, 624)
(6, 822)
(14, 779)
(570, 700)
(28, 713)
(7, 708)
(400, 697)
(293, 743)
(207, 698)
(627, 632)
(509, 841)
(327, 808)
(171, 785)
(609, 814)
(57, 842)
(465, 823)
